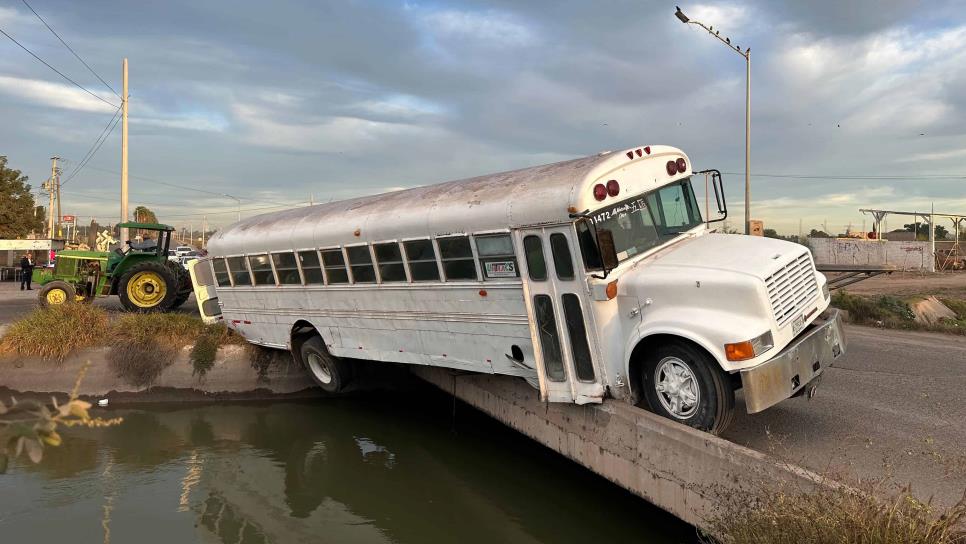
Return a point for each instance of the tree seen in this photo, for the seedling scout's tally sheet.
(17, 214)
(815, 233)
(922, 230)
(144, 215)
(771, 233)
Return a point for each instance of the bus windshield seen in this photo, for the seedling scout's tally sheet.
(646, 221)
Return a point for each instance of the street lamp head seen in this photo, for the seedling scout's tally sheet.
(680, 15)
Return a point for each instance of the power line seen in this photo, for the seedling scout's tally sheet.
(108, 129)
(804, 176)
(69, 48)
(169, 184)
(61, 74)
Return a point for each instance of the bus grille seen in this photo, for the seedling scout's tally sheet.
(791, 288)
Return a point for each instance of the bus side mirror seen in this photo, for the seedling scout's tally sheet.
(719, 196)
(608, 253)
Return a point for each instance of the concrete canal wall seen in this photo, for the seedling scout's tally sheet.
(232, 376)
(679, 469)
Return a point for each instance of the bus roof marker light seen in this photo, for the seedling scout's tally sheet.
(682, 165)
(600, 192)
(647, 149)
(630, 154)
(613, 188)
(672, 168)
(640, 153)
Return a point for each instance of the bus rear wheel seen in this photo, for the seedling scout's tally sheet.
(328, 371)
(683, 383)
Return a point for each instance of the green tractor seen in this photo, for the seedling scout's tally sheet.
(142, 276)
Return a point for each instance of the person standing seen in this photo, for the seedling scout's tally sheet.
(26, 271)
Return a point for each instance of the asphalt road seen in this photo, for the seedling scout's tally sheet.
(893, 408)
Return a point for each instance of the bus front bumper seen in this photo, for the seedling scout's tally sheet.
(797, 366)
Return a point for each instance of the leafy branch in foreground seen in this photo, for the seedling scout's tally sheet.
(27, 427)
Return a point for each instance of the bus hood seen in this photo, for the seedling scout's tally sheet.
(752, 255)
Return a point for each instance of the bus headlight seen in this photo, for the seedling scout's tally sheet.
(749, 349)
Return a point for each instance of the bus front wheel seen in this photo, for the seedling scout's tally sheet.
(329, 372)
(683, 383)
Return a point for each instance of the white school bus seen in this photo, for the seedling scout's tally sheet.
(590, 278)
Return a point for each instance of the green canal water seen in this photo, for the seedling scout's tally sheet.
(368, 469)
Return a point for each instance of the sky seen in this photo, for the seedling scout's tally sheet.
(857, 104)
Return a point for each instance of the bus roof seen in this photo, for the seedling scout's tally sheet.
(530, 196)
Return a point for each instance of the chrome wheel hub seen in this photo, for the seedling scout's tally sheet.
(677, 387)
(320, 368)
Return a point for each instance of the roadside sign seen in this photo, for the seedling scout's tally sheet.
(68, 218)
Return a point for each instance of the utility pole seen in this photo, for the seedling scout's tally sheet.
(56, 178)
(124, 101)
(53, 190)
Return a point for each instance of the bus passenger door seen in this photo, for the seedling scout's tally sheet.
(567, 364)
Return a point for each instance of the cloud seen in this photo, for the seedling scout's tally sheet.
(492, 28)
(934, 156)
(54, 95)
(336, 134)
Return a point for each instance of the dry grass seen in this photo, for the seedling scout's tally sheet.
(261, 359)
(55, 332)
(203, 353)
(895, 313)
(58, 331)
(140, 363)
(838, 516)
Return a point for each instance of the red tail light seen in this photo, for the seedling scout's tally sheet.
(682, 166)
(613, 188)
(672, 168)
(600, 192)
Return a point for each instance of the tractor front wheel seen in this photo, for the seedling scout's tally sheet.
(57, 293)
(148, 287)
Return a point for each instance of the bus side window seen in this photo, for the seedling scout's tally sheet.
(360, 263)
(221, 272)
(389, 259)
(588, 245)
(457, 257)
(239, 272)
(310, 267)
(261, 269)
(562, 262)
(334, 264)
(422, 260)
(285, 267)
(536, 263)
(496, 256)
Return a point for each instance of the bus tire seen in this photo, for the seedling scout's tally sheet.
(328, 371)
(683, 383)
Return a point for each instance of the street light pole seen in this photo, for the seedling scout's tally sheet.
(746, 54)
(237, 206)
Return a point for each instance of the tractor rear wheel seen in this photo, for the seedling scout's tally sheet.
(57, 293)
(148, 287)
(184, 283)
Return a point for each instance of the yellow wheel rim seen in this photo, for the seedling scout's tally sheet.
(146, 289)
(56, 296)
